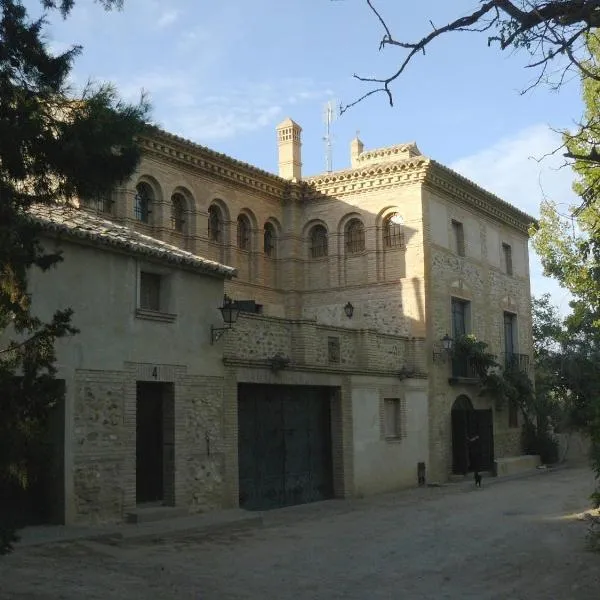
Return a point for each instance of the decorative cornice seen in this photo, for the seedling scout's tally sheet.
(390, 153)
(180, 151)
(403, 172)
(470, 194)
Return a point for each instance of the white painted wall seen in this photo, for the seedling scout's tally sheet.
(382, 465)
(101, 287)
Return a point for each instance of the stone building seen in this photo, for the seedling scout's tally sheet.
(332, 382)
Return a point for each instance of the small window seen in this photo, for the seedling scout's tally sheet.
(513, 414)
(393, 416)
(507, 254)
(459, 237)
(355, 237)
(393, 231)
(243, 232)
(150, 284)
(177, 212)
(318, 242)
(143, 200)
(269, 240)
(333, 349)
(215, 223)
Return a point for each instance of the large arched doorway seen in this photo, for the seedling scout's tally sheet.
(467, 423)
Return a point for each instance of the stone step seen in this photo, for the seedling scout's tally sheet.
(148, 514)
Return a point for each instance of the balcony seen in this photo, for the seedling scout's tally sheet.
(463, 371)
(516, 362)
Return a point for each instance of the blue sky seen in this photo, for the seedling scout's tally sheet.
(225, 73)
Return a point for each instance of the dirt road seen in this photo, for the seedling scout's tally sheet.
(510, 540)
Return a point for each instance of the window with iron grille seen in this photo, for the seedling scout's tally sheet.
(355, 237)
(269, 240)
(318, 241)
(459, 237)
(150, 287)
(215, 223)
(393, 231)
(177, 212)
(507, 254)
(101, 203)
(143, 200)
(243, 232)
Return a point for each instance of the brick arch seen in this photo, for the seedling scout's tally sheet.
(220, 234)
(154, 184)
(308, 232)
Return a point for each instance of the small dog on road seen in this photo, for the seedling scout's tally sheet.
(477, 477)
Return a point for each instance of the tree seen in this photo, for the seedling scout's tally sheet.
(54, 147)
(546, 29)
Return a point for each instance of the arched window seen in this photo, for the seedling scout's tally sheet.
(215, 224)
(269, 240)
(393, 231)
(177, 212)
(243, 232)
(318, 241)
(354, 237)
(143, 201)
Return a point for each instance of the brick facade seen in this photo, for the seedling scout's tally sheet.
(399, 276)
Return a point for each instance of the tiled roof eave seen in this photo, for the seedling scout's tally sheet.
(137, 244)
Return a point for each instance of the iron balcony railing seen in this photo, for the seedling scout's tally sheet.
(463, 367)
(516, 362)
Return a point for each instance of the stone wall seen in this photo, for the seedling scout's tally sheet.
(306, 343)
(478, 278)
(104, 443)
(99, 445)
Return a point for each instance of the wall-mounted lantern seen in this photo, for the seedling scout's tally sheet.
(446, 344)
(230, 313)
(349, 310)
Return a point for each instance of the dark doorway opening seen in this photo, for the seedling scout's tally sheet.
(154, 443)
(284, 445)
(467, 423)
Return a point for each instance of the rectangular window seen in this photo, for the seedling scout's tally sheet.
(507, 254)
(392, 418)
(460, 317)
(459, 237)
(333, 349)
(150, 284)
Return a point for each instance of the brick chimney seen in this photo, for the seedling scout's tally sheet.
(289, 143)
(356, 149)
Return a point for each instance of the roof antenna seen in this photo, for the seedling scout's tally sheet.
(329, 116)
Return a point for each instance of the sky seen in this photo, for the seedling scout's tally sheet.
(224, 74)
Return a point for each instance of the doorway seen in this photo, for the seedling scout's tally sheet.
(285, 445)
(154, 474)
(467, 423)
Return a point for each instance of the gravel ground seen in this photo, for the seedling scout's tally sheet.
(518, 539)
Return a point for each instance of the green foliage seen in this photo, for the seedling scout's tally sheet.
(537, 440)
(504, 385)
(53, 147)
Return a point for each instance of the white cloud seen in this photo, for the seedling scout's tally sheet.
(522, 170)
(167, 18)
(181, 105)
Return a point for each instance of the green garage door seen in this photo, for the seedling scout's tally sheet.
(284, 445)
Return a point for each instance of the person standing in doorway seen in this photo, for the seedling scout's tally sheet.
(475, 457)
